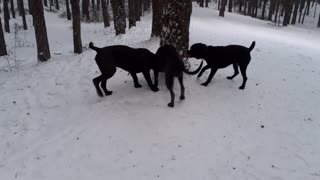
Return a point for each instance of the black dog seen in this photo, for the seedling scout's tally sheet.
(218, 57)
(169, 61)
(127, 58)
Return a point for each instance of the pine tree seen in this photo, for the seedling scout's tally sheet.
(119, 16)
(6, 16)
(176, 23)
(3, 49)
(68, 10)
(12, 9)
(77, 44)
(23, 14)
(40, 31)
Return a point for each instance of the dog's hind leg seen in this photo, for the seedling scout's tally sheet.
(105, 77)
(180, 78)
(96, 81)
(169, 84)
(243, 70)
(236, 71)
(156, 79)
(203, 70)
(146, 75)
(135, 80)
(213, 71)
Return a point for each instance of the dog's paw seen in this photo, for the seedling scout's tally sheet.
(108, 93)
(204, 84)
(99, 93)
(241, 87)
(171, 105)
(155, 89)
(182, 97)
(137, 86)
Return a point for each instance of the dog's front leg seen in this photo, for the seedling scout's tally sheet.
(156, 75)
(135, 80)
(180, 78)
(213, 71)
(148, 79)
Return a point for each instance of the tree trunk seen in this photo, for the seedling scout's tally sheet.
(77, 44)
(98, 5)
(6, 16)
(277, 11)
(157, 14)
(319, 21)
(40, 31)
(230, 5)
(132, 18)
(92, 4)
(105, 13)
(68, 10)
(288, 5)
(12, 9)
(3, 48)
(45, 3)
(23, 14)
(295, 12)
(176, 23)
(57, 4)
(207, 3)
(30, 5)
(85, 9)
(302, 4)
(222, 7)
(119, 16)
(138, 9)
(263, 9)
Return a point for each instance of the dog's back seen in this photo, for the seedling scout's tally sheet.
(168, 60)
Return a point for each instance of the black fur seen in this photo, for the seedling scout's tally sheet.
(218, 57)
(170, 62)
(127, 58)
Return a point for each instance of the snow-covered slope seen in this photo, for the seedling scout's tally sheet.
(54, 126)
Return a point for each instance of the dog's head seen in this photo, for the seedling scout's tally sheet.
(197, 50)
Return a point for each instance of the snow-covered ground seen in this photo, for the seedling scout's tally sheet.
(54, 126)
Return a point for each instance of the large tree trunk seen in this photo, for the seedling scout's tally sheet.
(271, 9)
(68, 10)
(77, 44)
(230, 5)
(6, 16)
(57, 4)
(176, 23)
(132, 18)
(105, 13)
(40, 31)
(23, 14)
(222, 7)
(119, 16)
(3, 49)
(157, 13)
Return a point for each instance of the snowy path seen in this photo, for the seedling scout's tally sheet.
(53, 125)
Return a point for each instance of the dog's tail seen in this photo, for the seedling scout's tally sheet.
(196, 71)
(252, 46)
(91, 46)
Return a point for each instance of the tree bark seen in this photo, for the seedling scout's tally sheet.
(105, 13)
(176, 23)
(23, 14)
(40, 31)
(12, 10)
(119, 16)
(3, 48)
(68, 10)
(157, 14)
(132, 18)
(6, 16)
(77, 44)
(222, 8)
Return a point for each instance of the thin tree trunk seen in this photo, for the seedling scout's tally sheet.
(295, 12)
(23, 14)
(302, 4)
(222, 8)
(304, 14)
(6, 16)
(45, 3)
(319, 21)
(264, 8)
(41, 31)
(85, 9)
(230, 5)
(68, 10)
(157, 14)
(132, 18)
(105, 13)
(57, 4)
(12, 10)
(77, 44)
(277, 11)
(30, 5)
(3, 48)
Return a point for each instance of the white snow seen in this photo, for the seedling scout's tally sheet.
(54, 126)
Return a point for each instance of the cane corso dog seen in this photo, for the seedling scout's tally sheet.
(129, 59)
(169, 61)
(218, 57)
